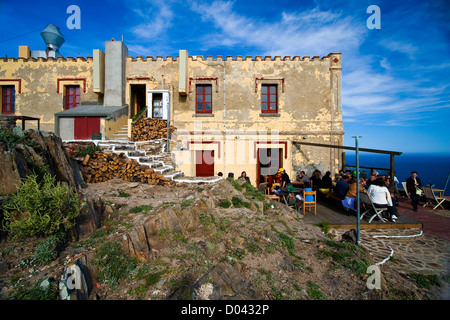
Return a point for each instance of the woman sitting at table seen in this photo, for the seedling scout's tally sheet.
(349, 200)
(381, 197)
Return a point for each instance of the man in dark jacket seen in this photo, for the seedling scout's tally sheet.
(412, 183)
(341, 188)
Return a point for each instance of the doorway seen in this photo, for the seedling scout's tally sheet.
(204, 163)
(269, 161)
(137, 98)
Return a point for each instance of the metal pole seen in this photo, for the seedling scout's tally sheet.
(445, 188)
(357, 191)
(168, 126)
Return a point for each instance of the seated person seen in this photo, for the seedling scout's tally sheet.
(244, 177)
(341, 188)
(316, 180)
(390, 184)
(371, 179)
(351, 193)
(381, 198)
(276, 180)
(350, 198)
(285, 181)
(338, 176)
(301, 179)
(326, 182)
(364, 174)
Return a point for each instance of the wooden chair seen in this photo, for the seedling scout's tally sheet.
(271, 196)
(430, 197)
(309, 204)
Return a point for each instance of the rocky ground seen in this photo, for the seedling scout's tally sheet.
(185, 242)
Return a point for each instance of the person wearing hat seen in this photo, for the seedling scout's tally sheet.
(285, 181)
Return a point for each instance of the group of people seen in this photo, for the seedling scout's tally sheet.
(381, 189)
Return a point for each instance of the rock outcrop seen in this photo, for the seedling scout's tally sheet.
(20, 159)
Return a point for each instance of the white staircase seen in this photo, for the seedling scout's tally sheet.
(122, 134)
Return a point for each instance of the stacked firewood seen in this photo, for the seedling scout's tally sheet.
(102, 167)
(150, 129)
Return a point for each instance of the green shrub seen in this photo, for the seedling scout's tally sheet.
(123, 194)
(225, 204)
(36, 292)
(12, 139)
(47, 250)
(238, 203)
(41, 209)
(287, 241)
(425, 281)
(90, 149)
(314, 292)
(8, 137)
(113, 264)
(144, 208)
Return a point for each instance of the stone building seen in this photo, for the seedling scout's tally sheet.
(232, 114)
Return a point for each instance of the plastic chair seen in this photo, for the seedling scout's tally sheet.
(308, 202)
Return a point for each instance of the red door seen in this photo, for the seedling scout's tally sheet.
(85, 127)
(204, 163)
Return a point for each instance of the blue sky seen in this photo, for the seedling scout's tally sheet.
(395, 80)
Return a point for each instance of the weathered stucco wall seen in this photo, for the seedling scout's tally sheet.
(38, 94)
(309, 109)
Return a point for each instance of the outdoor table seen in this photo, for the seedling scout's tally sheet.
(438, 191)
(285, 193)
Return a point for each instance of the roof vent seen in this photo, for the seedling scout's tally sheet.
(53, 40)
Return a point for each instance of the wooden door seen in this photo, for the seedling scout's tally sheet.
(204, 163)
(84, 127)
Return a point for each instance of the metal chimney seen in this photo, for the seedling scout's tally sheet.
(53, 40)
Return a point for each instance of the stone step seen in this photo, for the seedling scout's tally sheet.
(164, 169)
(174, 174)
(198, 179)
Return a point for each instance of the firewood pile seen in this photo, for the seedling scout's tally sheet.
(102, 167)
(150, 129)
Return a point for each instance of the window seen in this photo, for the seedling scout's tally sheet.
(8, 99)
(203, 98)
(72, 97)
(269, 98)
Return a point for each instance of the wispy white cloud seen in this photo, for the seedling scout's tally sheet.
(378, 89)
(311, 32)
(157, 17)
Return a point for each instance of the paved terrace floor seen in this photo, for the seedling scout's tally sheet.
(332, 211)
(419, 242)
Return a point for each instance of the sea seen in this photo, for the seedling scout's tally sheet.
(432, 168)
